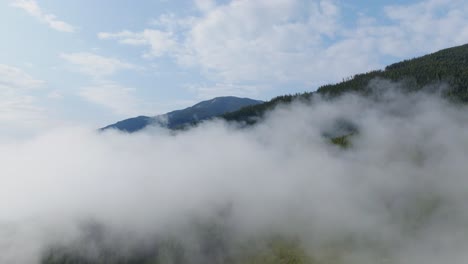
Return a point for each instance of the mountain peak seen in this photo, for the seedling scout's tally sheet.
(178, 118)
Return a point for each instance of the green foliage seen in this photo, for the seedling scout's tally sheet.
(251, 114)
(279, 251)
(342, 141)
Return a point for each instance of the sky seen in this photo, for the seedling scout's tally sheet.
(96, 62)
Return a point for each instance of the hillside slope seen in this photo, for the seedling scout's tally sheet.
(448, 66)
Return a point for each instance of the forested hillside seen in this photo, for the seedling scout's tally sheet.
(448, 66)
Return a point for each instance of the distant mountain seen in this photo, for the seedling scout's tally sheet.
(179, 118)
(448, 66)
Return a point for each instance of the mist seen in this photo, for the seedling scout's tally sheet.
(396, 195)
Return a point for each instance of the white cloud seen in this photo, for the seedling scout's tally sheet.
(108, 94)
(160, 42)
(415, 29)
(14, 78)
(205, 5)
(55, 95)
(32, 8)
(425, 26)
(18, 109)
(169, 22)
(95, 65)
(115, 97)
(102, 91)
(246, 40)
(300, 42)
(260, 40)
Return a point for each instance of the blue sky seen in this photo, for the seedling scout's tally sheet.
(94, 62)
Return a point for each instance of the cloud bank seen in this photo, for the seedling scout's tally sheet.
(396, 196)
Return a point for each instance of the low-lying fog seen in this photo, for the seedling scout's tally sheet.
(399, 194)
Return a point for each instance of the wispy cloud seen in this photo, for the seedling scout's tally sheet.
(113, 96)
(15, 78)
(33, 8)
(96, 65)
(103, 91)
(18, 108)
(160, 42)
(55, 95)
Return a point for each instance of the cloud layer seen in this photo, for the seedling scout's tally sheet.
(398, 194)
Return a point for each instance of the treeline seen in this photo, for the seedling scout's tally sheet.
(449, 66)
(250, 114)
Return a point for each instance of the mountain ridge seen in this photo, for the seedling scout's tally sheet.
(446, 66)
(182, 117)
